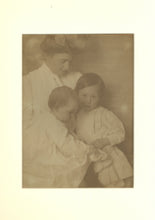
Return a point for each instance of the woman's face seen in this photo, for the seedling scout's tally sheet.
(59, 63)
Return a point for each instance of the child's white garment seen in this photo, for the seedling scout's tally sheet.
(102, 123)
(51, 156)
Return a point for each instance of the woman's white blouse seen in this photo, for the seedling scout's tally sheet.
(37, 86)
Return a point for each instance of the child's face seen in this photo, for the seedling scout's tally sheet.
(89, 97)
(65, 113)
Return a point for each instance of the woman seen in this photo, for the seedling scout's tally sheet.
(54, 72)
(38, 85)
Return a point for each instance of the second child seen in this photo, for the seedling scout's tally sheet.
(98, 126)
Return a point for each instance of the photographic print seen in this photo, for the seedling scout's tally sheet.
(77, 110)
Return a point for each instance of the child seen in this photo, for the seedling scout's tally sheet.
(98, 126)
(52, 157)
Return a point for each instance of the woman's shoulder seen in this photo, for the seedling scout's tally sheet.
(36, 73)
(72, 78)
(76, 75)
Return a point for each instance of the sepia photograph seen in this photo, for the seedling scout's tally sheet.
(77, 110)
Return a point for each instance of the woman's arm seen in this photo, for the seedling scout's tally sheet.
(27, 102)
(72, 146)
(65, 142)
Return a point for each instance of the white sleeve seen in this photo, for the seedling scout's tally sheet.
(68, 144)
(116, 131)
(73, 146)
(27, 101)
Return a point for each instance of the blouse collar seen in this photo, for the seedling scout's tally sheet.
(51, 74)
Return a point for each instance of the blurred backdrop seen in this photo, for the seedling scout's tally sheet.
(109, 55)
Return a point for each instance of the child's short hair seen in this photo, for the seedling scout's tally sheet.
(60, 96)
(90, 79)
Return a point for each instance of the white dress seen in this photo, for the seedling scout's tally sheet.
(37, 86)
(102, 123)
(51, 156)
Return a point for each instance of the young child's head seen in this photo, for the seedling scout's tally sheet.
(90, 88)
(63, 102)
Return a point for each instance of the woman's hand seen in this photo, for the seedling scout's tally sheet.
(101, 142)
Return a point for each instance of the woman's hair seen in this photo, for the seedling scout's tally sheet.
(51, 45)
(60, 96)
(90, 79)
